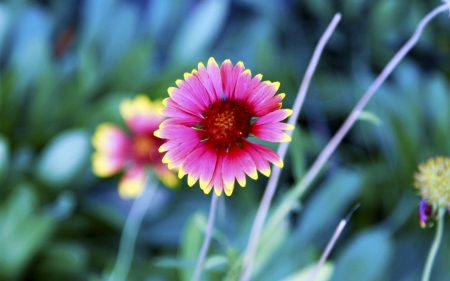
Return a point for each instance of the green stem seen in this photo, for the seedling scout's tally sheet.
(130, 231)
(435, 246)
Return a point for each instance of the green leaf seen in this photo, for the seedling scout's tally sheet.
(191, 242)
(64, 157)
(367, 257)
(324, 273)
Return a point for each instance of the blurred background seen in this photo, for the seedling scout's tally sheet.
(66, 65)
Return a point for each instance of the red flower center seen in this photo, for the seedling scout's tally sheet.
(142, 148)
(226, 122)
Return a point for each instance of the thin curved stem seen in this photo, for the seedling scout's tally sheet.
(207, 239)
(297, 192)
(130, 231)
(435, 246)
(331, 243)
(327, 251)
(272, 184)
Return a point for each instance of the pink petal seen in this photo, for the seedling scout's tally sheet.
(177, 132)
(181, 140)
(185, 121)
(270, 132)
(274, 117)
(207, 83)
(217, 179)
(106, 165)
(267, 106)
(261, 155)
(268, 128)
(230, 76)
(261, 95)
(173, 109)
(187, 99)
(242, 85)
(199, 164)
(111, 139)
(236, 164)
(194, 89)
(144, 124)
(132, 183)
(214, 76)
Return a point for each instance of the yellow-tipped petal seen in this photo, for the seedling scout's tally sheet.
(279, 163)
(213, 61)
(162, 148)
(131, 187)
(126, 109)
(242, 182)
(282, 95)
(165, 159)
(201, 65)
(102, 165)
(157, 133)
(290, 127)
(179, 81)
(241, 64)
(266, 172)
(247, 71)
(218, 191)
(170, 166)
(289, 112)
(286, 138)
(207, 190)
(170, 90)
(227, 61)
(253, 174)
(276, 85)
(181, 173)
(228, 192)
(203, 184)
(229, 185)
(102, 134)
(191, 180)
(169, 179)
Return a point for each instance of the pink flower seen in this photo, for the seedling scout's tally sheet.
(210, 117)
(116, 150)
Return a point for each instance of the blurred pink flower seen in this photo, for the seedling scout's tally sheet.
(115, 150)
